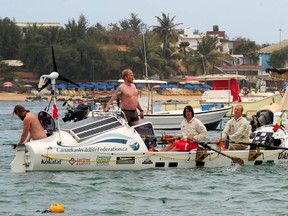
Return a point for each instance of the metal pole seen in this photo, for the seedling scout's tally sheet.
(145, 58)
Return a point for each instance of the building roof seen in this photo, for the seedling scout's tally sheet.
(243, 67)
(38, 24)
(25, 75)
(13, 63)
(121, 48)
(274, 47)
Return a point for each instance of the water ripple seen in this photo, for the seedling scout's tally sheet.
(259, 190)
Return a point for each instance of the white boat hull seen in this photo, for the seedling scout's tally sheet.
(171, 120)
(92, 145)
(61, 159)
(106, 142)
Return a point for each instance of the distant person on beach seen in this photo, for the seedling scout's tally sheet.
(192, 131)
(128, 95)
(235, 131)
(32, 129)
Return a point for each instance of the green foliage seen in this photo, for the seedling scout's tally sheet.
(205, 58)
(10, 39)
(91, 53)
(166, 30)
(279, 58)
(248, 49)
(134, 24)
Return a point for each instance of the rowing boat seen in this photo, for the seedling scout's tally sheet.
(104, 141)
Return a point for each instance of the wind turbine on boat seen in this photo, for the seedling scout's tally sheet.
(50, 79)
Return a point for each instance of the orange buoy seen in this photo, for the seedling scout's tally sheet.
(57, 208)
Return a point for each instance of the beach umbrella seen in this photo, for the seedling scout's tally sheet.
(140, 86)
(163, 86)
(28, 87)
(171, 86)
(196, 87)
(206, 87)
(100, 87)
(188, 86)
(7, 85)
(189, 79)
(61, 86)
(109, 87)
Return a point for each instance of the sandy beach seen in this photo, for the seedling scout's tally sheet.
(4, 96)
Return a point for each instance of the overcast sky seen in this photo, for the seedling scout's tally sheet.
(263, 21)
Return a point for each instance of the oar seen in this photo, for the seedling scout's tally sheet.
(234, 159)
(261, 145)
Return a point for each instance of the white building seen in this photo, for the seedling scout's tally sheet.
(24, 26)
(192, 38)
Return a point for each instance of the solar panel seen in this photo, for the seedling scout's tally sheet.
(92, 126)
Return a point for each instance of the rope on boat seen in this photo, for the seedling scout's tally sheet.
(96, 161)
(210, 157)
(128, 158)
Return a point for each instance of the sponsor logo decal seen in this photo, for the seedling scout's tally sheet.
(283, 156)
(103, 160)
(91, 149)
(134, 145)
(50, 161)
(80, 161)
(147, 161)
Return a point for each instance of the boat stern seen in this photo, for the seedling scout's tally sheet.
(18, 165)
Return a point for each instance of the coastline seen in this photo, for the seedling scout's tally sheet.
(7, 96)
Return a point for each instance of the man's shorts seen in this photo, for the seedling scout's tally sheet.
(131, 116)
(185, 145)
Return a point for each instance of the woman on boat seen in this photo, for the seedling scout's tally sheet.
(192, 131)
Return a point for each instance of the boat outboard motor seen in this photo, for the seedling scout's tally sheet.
(262, 117)
(79, 113)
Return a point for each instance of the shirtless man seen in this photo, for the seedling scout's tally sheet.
(32, 126)
(128, 95)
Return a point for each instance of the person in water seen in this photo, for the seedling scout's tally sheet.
(32, 128)
(128, 95)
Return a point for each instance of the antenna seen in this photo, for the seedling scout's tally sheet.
(280, 34)
(145, 57)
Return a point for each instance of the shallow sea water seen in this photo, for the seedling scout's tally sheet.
(234, 190)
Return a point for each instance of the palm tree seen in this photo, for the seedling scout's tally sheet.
(183, 46)
(166, 30)
(207, 55)
(248, 49)
(279, 58)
